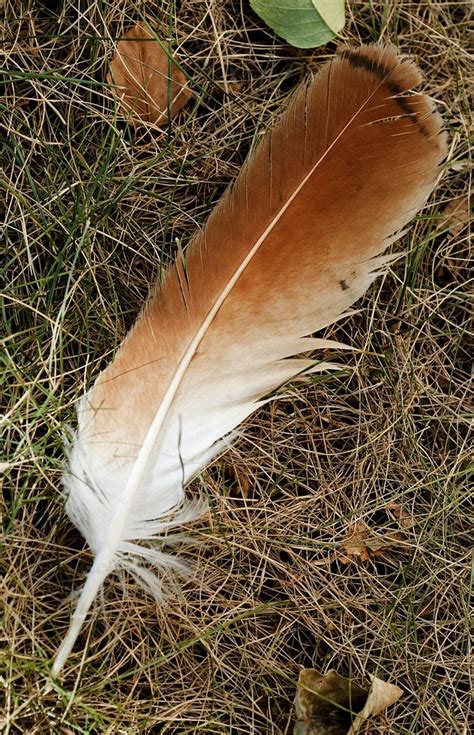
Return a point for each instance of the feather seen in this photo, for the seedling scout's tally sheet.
(291, 245)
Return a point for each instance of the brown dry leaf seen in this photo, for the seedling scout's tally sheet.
(381, 696)
(242, 481)
(365, 545)
(326, 703)
(140, 69)
(330, 704)
(401, 514)
(456, 215)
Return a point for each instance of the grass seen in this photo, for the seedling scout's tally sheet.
(93, 211)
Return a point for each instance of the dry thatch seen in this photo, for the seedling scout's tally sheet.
(94, 209)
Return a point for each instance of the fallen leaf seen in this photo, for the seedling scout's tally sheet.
(381, 695)
(401, 514)
(228, 89)
(234, 87)
(365, 545)
(242, 480)
(356, 544)
(141, 71)
(456, 215)
(330, 704)
(332, 13)
(326, 704)
(303, 23)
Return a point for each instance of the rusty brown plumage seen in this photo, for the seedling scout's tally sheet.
(368, 181)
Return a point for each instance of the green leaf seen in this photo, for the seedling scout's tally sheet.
(332, 13)
(303, 23)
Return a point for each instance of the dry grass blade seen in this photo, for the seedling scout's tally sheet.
(151, 87)
(92, 213)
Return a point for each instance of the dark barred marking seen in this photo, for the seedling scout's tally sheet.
(359, 61)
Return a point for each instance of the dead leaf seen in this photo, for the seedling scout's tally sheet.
(356, 544)
(456, 215)
(232, 89)
(242, 480)
(326, 704)
(330, 704)
(401, 514)
(365, 545)
(140, 69)
(381, 695)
